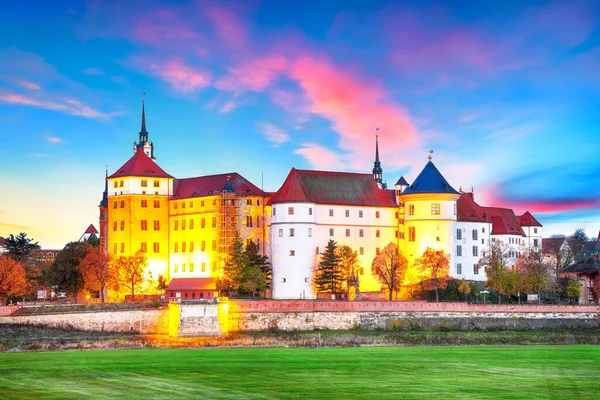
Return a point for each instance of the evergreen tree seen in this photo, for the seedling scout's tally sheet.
(19, 247)
(233, 270)
(65, 272)
(260, 261)
(328, 276)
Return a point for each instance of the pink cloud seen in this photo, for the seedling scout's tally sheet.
(68, 106)
(355, 106)
(182, 77)
(29, 85)
(227, 24)
(255, 75)
(320, 157)
(227, 107)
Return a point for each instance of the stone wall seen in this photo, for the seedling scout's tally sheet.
(194, 320)
(137, 321)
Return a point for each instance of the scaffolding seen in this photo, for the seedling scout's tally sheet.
(227, 221)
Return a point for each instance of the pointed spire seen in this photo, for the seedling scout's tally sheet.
(143, 130)
(377, 147)
(377, 170)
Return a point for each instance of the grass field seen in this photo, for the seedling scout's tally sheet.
(470, 372)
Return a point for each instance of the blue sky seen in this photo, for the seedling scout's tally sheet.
(505, 93)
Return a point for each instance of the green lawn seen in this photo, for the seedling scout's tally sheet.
(470, 372)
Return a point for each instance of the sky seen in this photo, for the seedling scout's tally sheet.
(506, 94)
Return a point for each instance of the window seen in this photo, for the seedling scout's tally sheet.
(191, 204)
(182, 267)
(115, 226)
(156, 203)
(377, 233)
(144, 225)
(331, 212)
(176, 268)
(292, 252)
(397, 215)
(192, 223)
(201, 203)
(362, 271)
(214, 222)
(176, 247)
(156, 247)
(401, 221)
(144, 247)
(156, 225)
(214, 266)
(475, 251)
(121, 183)
(203, 223)
(411, 234)
(290, 210)
(475, 269)
(310, 211)
(317, 250)
(115, 248)
(122, 204)
(376, 214)
(411, 209)
(183, 225)
(454, 208)
(474, 234)
(535, 243)
(459, 251)
(459, 269)
(203, 267)
(249, 202)
(116, 184)
(122, 247)
(144, 183)
(249, 221)
(291, 232)
(191, 267)
(176, 224)
(282, 280)
(347, 232)
(377, 251)
(347, 213)
(156, 183)
(175, 206)
(115, 204)
(203, 245)
(401, 235)
(361, 251)
(482, 241)
(360, 214)
(258, 221)
(482, 230)
(144, 203)
(309, 232)
(459, 234)
(183, 247)
(281, 233)
(183, 204)
(214, 202)
(122, 225)
(361, 233)
(274, 211)
(534, 230)
(330, 231)
(435, 208)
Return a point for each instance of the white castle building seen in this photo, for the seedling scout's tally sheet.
(357, 210)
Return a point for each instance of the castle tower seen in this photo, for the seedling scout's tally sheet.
(104, 216)
(377, 170)
(144, 144)
(430, 213)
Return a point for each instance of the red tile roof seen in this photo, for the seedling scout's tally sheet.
(469, 211)
(193, 284)
(549, 244)
(528, 220)
(207, 185)
(504, 221)
(140, 165)
(90, 229)
(336, 188)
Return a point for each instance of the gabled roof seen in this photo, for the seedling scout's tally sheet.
(193, 284)
(549, 244)
(504, 221)
(587, 265)
(469, 211)
(430, 180)
(336, 188)
(140, 165)
(528, 220)
(213, 184)
(402, 181)
(90, 229)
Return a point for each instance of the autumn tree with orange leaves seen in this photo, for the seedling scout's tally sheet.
(97, 271)
(434, 266)
(12, 279)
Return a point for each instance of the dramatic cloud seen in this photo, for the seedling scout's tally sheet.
(320, 157)
(182, 77)
(228, 25)
(255, 75)
(274, 134)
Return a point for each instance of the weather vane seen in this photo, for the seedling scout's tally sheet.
(430, 154)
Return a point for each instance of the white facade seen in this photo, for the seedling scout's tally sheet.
(471, 240)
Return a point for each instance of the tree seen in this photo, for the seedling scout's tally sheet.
(129, 271)
(19, 247)
(348, 262)
(434, 266)
(536, 274)
(328, 276)
(257, 260)
(576, 244)
(556, 248)
(162, 283)
(12, 279)
(237, 260)
(495, 263)
(390, 266)
(464, 288)
(97, 271)
(573, 289)
(93, 240)
(65, 272)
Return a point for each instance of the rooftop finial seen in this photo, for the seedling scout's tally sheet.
(377, 145)
(430, 154)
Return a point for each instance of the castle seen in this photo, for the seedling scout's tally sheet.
(185, 226)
